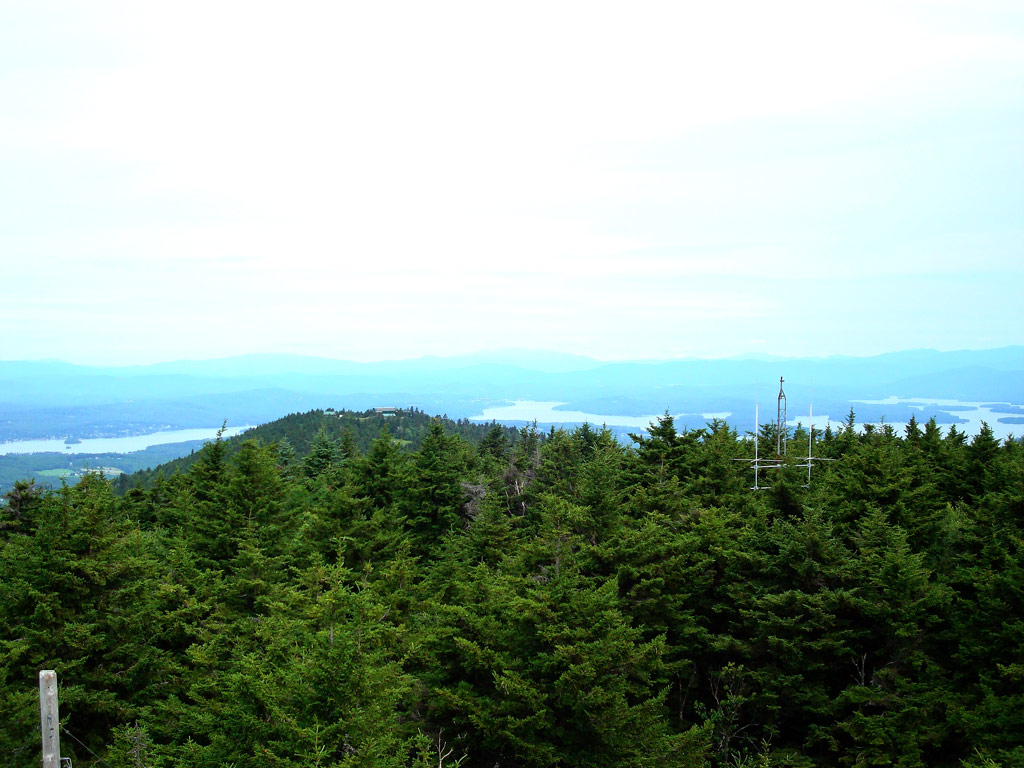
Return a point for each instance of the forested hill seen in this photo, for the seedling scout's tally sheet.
(564, 602)
(348, 431)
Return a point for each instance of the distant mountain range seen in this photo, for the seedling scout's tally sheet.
(56, 399)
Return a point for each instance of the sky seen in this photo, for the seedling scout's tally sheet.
(388, 180)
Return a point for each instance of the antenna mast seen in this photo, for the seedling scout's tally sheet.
(780, 441)
(811, 458)
(757, 463)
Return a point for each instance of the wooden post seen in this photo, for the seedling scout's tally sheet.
(49, 718)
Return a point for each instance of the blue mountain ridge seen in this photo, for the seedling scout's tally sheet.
(53, 398)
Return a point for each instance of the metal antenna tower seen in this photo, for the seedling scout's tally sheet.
(780, 423)
(757, 463)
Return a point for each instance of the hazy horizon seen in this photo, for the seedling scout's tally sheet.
(507, 353)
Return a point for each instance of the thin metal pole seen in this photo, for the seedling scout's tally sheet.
(780, 422)
(49, 718)
(810, 444)
(756, 427)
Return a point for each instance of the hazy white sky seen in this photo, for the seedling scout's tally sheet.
(379, 180)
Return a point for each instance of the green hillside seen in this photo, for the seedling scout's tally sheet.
(351, 429)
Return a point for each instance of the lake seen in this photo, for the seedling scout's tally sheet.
(117, 444)
(544, 412)
(972, 412)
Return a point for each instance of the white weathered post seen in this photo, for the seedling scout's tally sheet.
(49, 718)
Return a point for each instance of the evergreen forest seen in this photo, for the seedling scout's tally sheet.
(432, 593)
